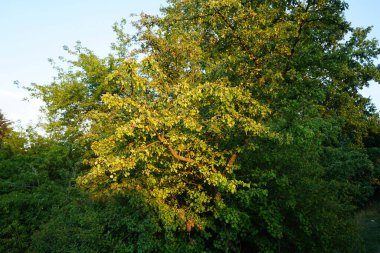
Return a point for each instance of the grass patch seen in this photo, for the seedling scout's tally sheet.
(369, 226)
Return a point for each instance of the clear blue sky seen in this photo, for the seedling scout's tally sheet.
(33, 31)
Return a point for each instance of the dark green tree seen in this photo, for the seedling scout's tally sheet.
(36, 175)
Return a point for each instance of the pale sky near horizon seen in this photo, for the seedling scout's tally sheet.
(33, 31)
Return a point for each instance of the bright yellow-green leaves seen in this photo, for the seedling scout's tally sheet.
(169, 132)
(178, 143)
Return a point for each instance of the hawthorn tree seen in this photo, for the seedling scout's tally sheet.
(232, 118)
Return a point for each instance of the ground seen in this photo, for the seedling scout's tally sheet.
(369, 223)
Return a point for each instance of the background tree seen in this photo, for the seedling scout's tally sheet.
(4, 126)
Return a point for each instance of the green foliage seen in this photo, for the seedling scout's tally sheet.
(74, 227)
(353, 171)
(32, 181)
(220, 126)
(122, 224)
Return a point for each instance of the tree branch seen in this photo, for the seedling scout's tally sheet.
(242, 44)
(174, 153)
(296, 42)
(232, 160)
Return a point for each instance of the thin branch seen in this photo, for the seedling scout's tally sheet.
(296, 42)
(144, 147)
(191, 18)
(242, 44)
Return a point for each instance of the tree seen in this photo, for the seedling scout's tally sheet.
(4, 126)
(227, 119)
(35, 177)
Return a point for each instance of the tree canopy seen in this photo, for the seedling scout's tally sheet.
(229, 125)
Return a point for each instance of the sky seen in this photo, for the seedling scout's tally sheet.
(31, 32)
